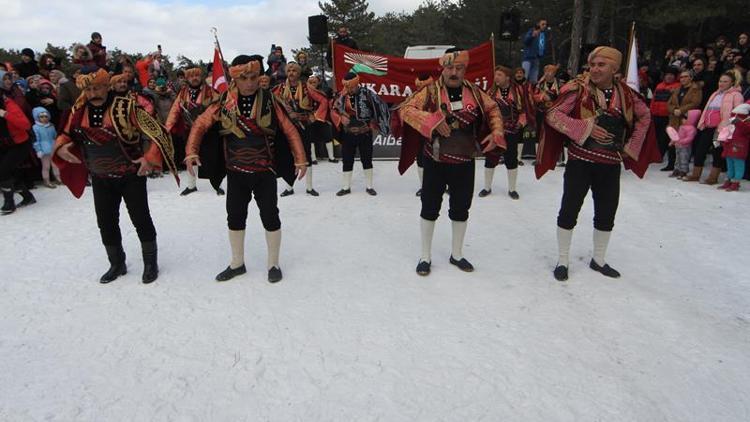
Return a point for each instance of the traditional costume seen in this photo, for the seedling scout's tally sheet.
(511, 102)
(305, 106)
(109, 139)
(471, 116)
(364, 112)
(189, 104)
(595, 164)
(397, 125)
(261, 143)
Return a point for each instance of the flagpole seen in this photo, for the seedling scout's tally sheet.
(492, 39)
(221, 54)
(333, 63)
(631, 37)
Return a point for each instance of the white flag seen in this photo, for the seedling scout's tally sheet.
(632, 76)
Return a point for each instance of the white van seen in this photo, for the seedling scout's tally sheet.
(426, 51)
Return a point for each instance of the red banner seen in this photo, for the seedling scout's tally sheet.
(398, 81)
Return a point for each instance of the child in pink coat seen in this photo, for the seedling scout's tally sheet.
(682, 140)
(736, 140)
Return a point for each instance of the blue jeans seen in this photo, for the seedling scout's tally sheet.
(531, 67)
(735, 169)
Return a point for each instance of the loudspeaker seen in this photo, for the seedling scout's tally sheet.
(510, 25)
(318, 29)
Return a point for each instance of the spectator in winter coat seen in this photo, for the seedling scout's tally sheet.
(47, 64)
(14, 92)
(682, 140)
(27, 66)
(44, 95)
(715, 116)
(534, 46)
(736, 141)
(276, 66)
(44, 140)
(306, 72)
(660, 110)
(98, 51)
(142, 67)
(68, 92)
(687, 97)
(82, 56)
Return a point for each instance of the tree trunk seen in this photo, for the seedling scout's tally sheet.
(592, 34)
(612, 13)
(576, 34)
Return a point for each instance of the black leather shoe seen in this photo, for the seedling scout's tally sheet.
(343, 192)
(371, 191)
(513, 195)
(462, 264)
(419, 192)
(667, 168)
(333, 160)
(287, 192)
(605, 270)
(230, 273)
(561, 273)
(313, 192)
(274, 275)
(188, 191)
(116, 257)
(423, 268)
(521, 163)
(484, 192)
(220, 192)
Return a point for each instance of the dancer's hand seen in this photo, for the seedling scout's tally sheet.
(144, 167)
(64, 153)
(190, 162)
(601, 134)
(443, 129)
(300, 171)
(489, 143)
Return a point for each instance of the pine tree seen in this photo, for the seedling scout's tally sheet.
(354, 15)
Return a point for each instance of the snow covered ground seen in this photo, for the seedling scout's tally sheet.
(352, 333)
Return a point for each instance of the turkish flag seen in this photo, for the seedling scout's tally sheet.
(218, 77)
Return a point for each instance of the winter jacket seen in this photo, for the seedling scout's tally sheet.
(99, 53)
(533, 47)
(44, 134)
(692, 100)
(738, 141)
(732, 98)
(684, 136)
(67, 95)
(659, 104)
(17, 123)
(26, 69)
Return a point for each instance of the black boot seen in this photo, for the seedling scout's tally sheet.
(117, 267)
(9, 205)
(150, 266)
(28, 198)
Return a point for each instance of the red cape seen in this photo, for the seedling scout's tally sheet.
(74, 176)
